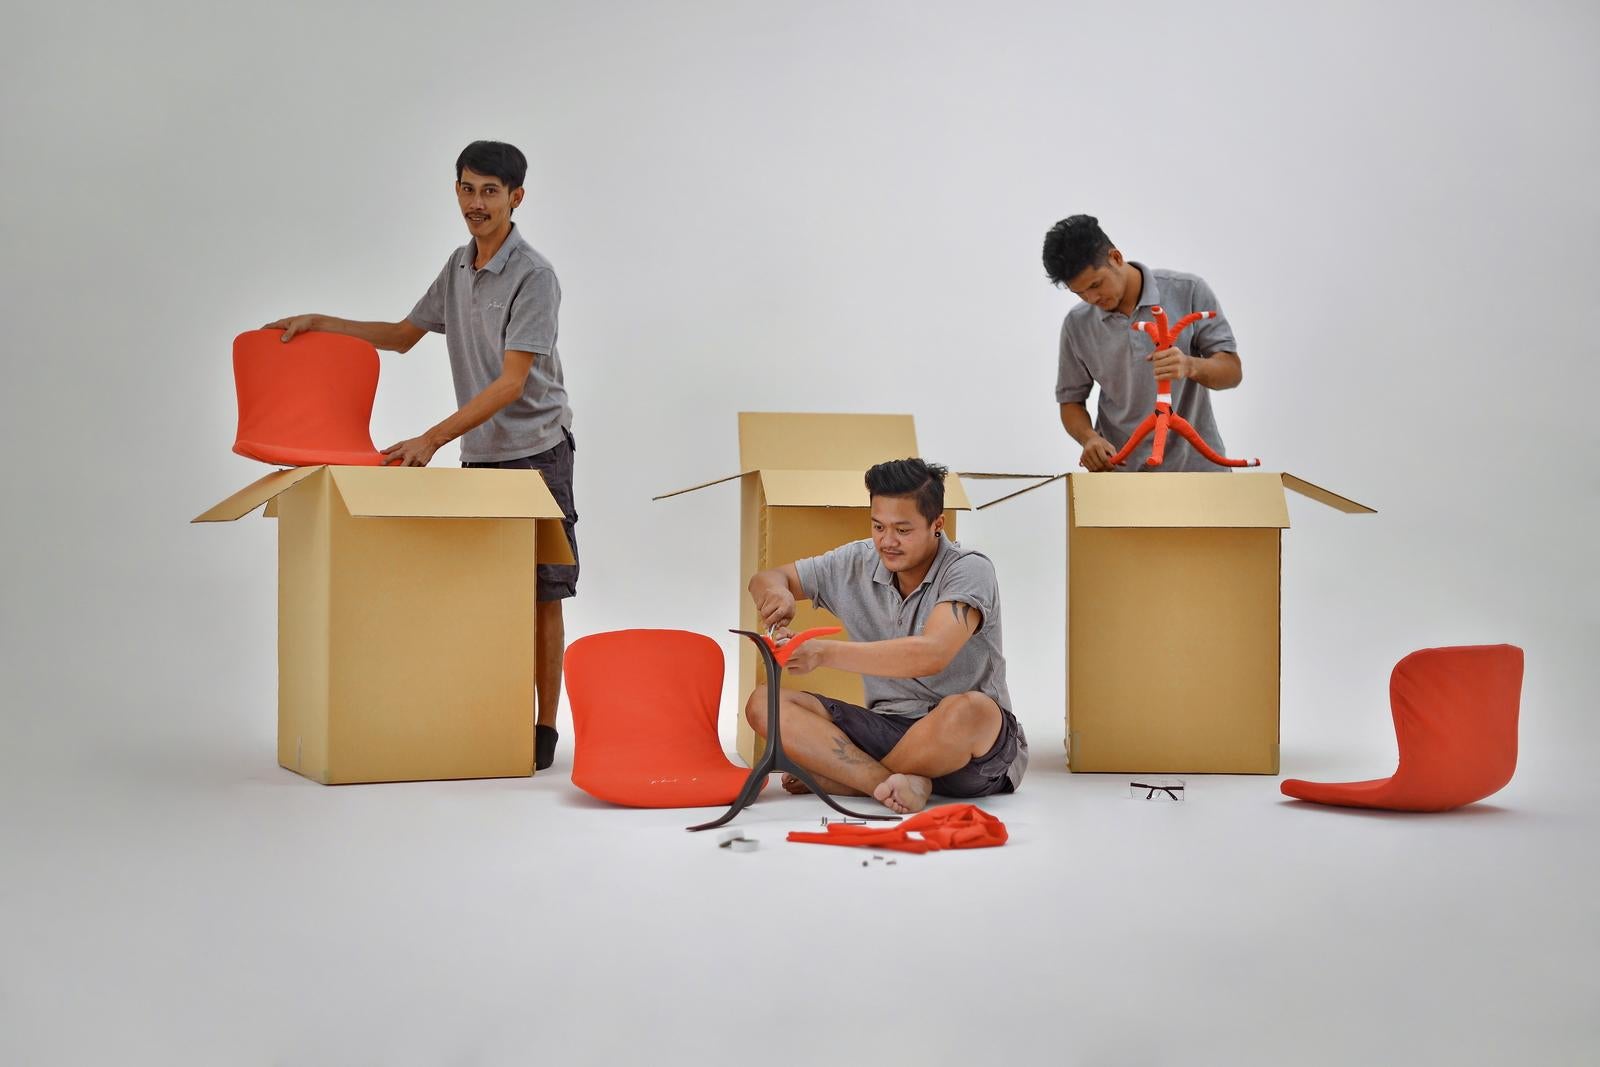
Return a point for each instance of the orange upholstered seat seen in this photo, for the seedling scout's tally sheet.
(644, 711)
(1455, 718)
(307, 401)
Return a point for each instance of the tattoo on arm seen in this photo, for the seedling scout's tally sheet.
(963, 614)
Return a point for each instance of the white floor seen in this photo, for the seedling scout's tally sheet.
(188, 902)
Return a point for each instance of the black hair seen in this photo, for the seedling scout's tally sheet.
(1072, 246)
(496, 159)
(910, 477)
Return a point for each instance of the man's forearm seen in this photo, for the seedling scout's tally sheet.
(477, 411)
(1220, 370)
(1075, 419)
(389, 336)
(766, 582)
(900, 657)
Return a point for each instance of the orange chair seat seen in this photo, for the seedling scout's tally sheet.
(644, 715)
(1455, 720)
(307, 401)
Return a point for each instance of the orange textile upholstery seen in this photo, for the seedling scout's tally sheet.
(644, 710)
(1455, 718)
(305, 402)
(947, 826)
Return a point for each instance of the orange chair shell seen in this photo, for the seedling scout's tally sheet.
(644, 714)
(307, 401)
(1455, 719)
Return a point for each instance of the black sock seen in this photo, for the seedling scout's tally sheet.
(544, 746)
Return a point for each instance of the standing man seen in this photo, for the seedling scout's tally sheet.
(925, 617)
(496, 302)
(1100, 347)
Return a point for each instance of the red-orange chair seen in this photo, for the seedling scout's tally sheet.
(1455, 718)
(307, 401)
(644, 712)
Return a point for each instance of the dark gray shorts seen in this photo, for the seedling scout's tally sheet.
(877, 734)
(557, 581)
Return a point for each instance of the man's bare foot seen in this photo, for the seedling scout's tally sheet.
(904, 793)
(793, 785)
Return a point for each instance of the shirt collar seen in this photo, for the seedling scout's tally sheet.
(1149, 292)
(498, 263)
(884, 576)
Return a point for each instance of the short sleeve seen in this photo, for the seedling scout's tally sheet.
(1210, 335)
(531, 326)
(822, 576)
(1073, 381)
(429, 312)
(971, 580)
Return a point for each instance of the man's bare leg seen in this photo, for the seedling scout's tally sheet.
(550, 644)
(812, 740)
(954, 733)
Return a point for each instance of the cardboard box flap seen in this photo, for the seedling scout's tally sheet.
(1045, 479)
(255, 494)
(550, 542)
(837, 489)
(1323, 496)
(703, 485)
(770, 440)
(1178, 500)
(441, 493)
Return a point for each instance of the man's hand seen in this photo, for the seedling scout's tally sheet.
(1097, 454)
(293, 325)
(1169, 364)
(808, 657)
(776, 607)
(413, 453)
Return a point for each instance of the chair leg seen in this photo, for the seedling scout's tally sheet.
(747, 795)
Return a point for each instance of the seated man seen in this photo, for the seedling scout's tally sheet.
(925, 617)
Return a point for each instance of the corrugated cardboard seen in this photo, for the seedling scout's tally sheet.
(801, 494)
(405, 618)
(1173, 632)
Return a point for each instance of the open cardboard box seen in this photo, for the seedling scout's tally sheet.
(405, 617)
(801, 494)
(1173, 622)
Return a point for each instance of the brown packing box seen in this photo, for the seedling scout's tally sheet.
(1151, 554)
(405, 618)
(802, 494)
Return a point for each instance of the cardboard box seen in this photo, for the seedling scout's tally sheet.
(1150, 555)
(801, 494)
(405, 618)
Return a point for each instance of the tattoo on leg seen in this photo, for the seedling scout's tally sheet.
(842, 751)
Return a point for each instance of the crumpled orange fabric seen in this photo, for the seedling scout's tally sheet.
(947, 826)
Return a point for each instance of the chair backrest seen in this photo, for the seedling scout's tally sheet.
(643, 698)
(306, 401)
(1455, 719)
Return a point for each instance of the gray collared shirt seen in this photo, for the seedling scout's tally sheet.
(852, 582)
(511, 304)
(1102, 348)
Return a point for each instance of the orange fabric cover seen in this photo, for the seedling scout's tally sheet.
(644, 712)
(305, 402)
(948, 826)
(1455, 718)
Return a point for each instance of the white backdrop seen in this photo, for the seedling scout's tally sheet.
(818, 207)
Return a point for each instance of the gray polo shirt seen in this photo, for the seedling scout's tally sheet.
(510, 304)
(852, 582)
(1102, 347)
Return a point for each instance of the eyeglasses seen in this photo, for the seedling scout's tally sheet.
(1157, 789)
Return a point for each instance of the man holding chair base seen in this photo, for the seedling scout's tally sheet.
(924, 615)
